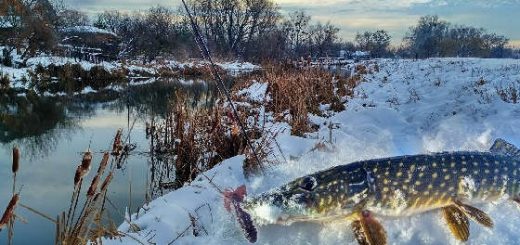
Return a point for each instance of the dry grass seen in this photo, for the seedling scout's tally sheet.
(509, 94)
(191, 141)
(297, 92)
(75, 227)
(195, 140)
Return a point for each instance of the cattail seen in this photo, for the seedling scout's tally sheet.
(77, 176)
(116, 146)
(80, 173)
(104, 186)
(16, 159)
(96, 197)
(93, 186)
(86, 161)
(103, 164)
(9, 211)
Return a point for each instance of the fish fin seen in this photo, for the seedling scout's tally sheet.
(475, 214)
(457, 221)
(368, 231)
(501, 146)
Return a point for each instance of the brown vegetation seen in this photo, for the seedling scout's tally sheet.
(195, 140)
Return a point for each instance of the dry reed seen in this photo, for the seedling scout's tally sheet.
(8, 215)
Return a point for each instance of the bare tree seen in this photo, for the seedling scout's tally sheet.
(232, 25)
(376, 43)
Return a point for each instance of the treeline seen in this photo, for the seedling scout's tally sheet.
(433, 37)
(250, 30)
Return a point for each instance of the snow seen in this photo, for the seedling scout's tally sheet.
(256, 92)
(238, 66)
(135, 69)
(408, 107)
(87, 29)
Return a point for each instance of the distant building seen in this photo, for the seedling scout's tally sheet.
(89, 43)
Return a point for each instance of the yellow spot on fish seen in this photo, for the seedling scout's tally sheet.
(486, 171)
(452, 164)
(421, 174)
(463, 170)
(444, 170)
(430, 186)
(385, 189)
(435, 175)
(451, 188)
(417, 182)
(447, 177)
(434, 164)
(399, 174)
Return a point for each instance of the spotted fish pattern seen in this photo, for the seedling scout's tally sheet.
(398, 186)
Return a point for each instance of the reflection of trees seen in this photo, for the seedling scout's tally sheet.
(155, 98)
(35, 123)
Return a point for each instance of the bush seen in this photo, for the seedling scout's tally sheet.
(7, 60)
(5, 82)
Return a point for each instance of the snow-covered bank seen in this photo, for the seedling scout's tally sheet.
(44, 67)
(408, 107)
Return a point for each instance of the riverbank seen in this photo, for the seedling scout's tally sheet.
(399, 107)
(60, 76)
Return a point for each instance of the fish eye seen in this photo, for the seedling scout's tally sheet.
(308, 183)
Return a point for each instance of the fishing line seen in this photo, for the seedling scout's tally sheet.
(203, 48)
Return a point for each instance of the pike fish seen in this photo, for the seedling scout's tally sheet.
(452, 182)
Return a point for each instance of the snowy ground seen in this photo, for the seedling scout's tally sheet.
(408, 107)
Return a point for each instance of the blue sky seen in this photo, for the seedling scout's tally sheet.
(352, 16)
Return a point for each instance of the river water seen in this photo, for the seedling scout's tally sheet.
(52, 134)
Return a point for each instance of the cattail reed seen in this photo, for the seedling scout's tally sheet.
(117, 145)
(103, 164)
(86, 161)
(77, 176)
(105, 184)
(93, 187)
(16, 159)
(9, 211)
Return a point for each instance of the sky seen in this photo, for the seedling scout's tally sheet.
(353, 16)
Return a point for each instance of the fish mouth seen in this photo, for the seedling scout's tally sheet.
(278, 208)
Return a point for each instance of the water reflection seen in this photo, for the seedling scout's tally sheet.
(33, 122)
(51, 132)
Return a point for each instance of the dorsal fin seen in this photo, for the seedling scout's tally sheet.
(501, 146)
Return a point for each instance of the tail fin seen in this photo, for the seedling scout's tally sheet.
(503, 147)
(232, 202)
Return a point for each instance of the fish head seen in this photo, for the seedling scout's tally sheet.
(309, 198)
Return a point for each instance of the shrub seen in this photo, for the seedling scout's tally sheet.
(5, 82)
